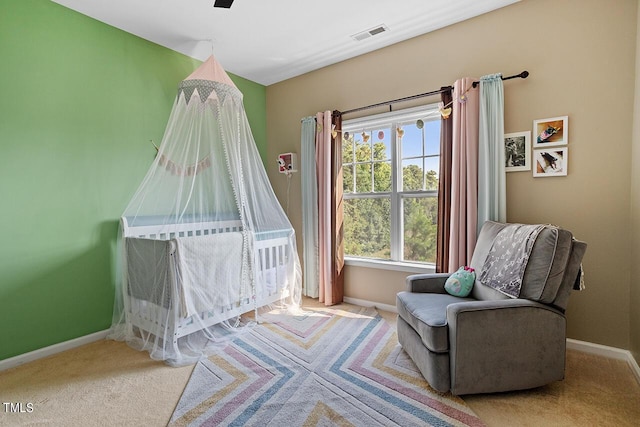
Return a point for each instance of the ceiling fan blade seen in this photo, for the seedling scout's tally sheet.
(223, 3)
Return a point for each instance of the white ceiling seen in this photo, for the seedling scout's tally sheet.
(270, 41)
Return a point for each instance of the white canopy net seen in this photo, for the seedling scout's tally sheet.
(204, 239)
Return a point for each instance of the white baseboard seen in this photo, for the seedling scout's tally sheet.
(51, 350)
(365, 303)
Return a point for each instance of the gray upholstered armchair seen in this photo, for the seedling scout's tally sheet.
(490, 342)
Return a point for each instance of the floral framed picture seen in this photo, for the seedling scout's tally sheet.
(517, 151)
(550, 161)
(551, 132)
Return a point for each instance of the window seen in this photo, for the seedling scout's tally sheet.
(390, 165)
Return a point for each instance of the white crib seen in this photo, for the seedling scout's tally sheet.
(164, 319)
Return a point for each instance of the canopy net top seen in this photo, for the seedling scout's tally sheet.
(204, 232)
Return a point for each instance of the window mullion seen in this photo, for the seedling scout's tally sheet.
(353, 177)
(424, 152)
(396, 202)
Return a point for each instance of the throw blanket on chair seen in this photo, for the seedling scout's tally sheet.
(210, 271)
(504, 267)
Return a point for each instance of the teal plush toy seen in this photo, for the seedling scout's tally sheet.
(460, 283)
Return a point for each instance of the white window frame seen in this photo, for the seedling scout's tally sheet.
(396, 194)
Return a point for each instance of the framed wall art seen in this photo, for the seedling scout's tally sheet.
(551, 132)
(517, 151)
(551, 161)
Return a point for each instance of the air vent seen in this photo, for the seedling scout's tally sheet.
(370, 32)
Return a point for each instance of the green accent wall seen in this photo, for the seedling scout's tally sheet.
(79, 103)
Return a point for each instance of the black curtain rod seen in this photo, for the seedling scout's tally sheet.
(394, 101)
(523, 75)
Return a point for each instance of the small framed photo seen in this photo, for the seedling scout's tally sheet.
(550, 161)
(551, 132)
(517, 151)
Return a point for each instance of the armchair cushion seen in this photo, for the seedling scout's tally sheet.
(547, 264)
(426, 313)
(545, 268)
(504, 267)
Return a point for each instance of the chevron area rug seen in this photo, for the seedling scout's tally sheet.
(338, 365)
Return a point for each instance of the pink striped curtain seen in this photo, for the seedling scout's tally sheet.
(464, 174)
(330, 231)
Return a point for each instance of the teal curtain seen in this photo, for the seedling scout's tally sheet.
(492, 198)
(309, 184)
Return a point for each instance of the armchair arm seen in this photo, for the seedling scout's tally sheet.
(427, 283)
(468, 307)
(504, 345)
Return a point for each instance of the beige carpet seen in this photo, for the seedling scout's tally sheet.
(107, 383)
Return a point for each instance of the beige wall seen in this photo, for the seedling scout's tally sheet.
(581, 56)
(635, 208)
